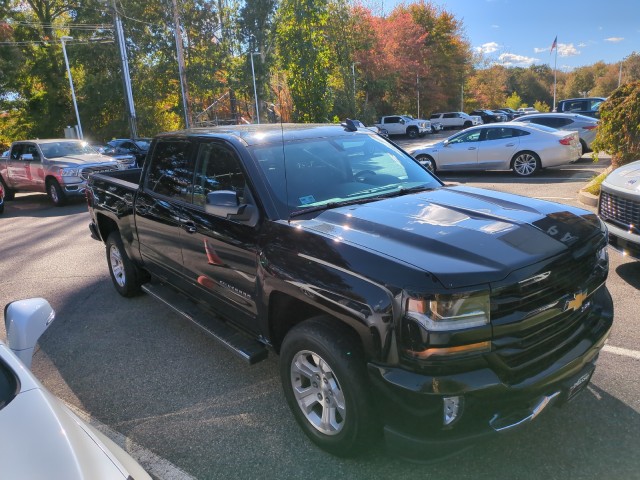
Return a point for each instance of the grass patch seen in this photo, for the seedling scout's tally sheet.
(593, 187)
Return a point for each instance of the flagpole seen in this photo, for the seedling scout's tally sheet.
(555, 74)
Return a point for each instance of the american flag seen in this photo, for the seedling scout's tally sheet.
(554, 45)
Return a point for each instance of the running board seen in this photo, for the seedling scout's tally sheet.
(250, 350)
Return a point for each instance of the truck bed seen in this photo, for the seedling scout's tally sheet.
(129, 179)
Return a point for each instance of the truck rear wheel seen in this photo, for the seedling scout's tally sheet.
(123, 272)
(55, 193)
(324, 379)
(8, 193)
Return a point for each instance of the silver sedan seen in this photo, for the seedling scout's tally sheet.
(523, 148)
(587, 127)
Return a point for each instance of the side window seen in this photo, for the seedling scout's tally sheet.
(549, 122)
(171, 170)
(519, 133)
(392, 120)
(562, 122)
(450, 115)
(33, 150)
(16, 151)
(467, 137)
(435, 116)
(218, 168)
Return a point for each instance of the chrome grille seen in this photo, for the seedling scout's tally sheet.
(621, 210)
(86, 171)
(533, 322)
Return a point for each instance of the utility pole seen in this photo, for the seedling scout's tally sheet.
(418, 90)
(181, 69)
(620, 75)
(73, 91)
(126, 78)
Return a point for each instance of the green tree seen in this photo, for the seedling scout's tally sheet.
(514, 101)
(305, 56)
(619, 129)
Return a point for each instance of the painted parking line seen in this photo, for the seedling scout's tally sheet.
(156, 466)
(622, 351)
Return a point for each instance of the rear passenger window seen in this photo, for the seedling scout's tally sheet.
(218, 168)
(171, 170)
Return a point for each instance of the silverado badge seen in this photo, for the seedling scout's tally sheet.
(577, 301)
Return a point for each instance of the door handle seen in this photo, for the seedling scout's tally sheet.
(509, 144)
(189, 227)
(472, 148)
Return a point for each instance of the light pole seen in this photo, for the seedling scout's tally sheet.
(353, 74)
(255, 90)
(73, 92)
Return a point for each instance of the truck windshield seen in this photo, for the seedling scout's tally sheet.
(309, 173)
(66, 148)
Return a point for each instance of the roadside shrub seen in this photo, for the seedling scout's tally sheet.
(619, 129)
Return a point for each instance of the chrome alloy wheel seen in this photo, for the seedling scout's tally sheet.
(525, 164)
(318, 392)
(117, 266)
(53, 192)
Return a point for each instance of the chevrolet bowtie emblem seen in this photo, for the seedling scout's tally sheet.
(576, 303)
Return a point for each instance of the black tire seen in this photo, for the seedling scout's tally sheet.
(412, 132)
(1, 207)
(428, 162)
(124, 274)
(526, 164)
(55, 193)
(585, 149)
(8, 193)
(321, 361)
(467, 124)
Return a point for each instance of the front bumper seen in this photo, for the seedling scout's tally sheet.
(411, 403)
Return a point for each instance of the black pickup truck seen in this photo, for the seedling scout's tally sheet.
(397, 304)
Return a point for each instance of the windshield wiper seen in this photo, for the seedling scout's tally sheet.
(330, 205)
(404, 191)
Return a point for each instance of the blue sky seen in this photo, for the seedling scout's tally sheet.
(520, 32)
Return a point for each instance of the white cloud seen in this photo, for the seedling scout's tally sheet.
(495, 26)
(582, 45)
(513, 60)
(540, 50)
(614, 39)
(487, 48)
(567, 50)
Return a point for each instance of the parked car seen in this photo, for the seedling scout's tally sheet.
(1, 198)
(436, 127)
(527, 110)
(138, 147)
(59, 167)
(516, 146)
(509, 112)
(455, 119)
(40, 436)
(584, 106)
(489, 116)
(404, 125)
(439, 313)
(619, 207)
(586, 127)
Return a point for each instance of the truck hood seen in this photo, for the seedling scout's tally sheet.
(464, 236)
(626, 177)
(81, 160)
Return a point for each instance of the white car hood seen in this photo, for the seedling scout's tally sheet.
(626, 177)
(42, 440)
(81, 160)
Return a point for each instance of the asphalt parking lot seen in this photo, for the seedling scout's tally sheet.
(187, 408)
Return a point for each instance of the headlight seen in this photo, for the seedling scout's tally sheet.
(442, 312)
(70, 172)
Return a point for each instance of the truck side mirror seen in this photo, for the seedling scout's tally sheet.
(225, 204)
(25, 321)
(402, 121)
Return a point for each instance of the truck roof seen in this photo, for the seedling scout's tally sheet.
(49, 140)
(267, 133)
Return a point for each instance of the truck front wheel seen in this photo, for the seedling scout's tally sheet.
(123, 272)
(325, 383)
(55, 193)
(412, 132)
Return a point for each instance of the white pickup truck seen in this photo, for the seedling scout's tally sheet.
(456, 119)
(58, 167)
(404, 125)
